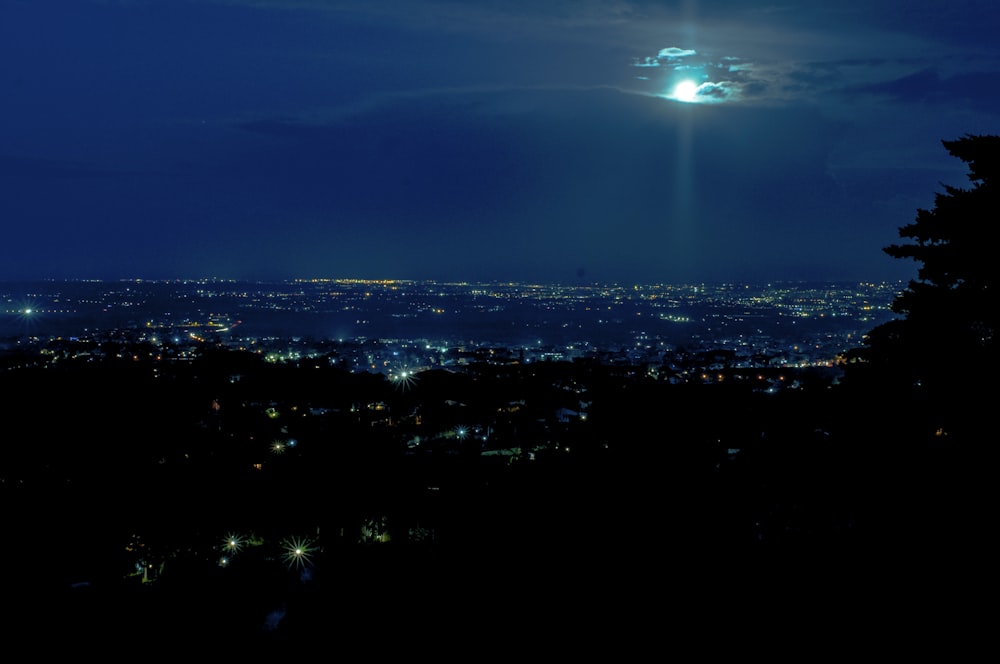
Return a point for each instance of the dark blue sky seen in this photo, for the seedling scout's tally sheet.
(480, 140)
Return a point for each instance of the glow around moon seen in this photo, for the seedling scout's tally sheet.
(685, 91)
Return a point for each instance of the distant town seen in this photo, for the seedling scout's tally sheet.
(398, 328)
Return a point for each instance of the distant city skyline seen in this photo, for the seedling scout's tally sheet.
(791, 324)
(584, 142)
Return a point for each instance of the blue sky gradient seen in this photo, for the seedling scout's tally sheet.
(481, 140)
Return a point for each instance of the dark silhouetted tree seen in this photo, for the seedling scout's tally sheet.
(941, 352)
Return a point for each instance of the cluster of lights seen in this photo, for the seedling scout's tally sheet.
(231, 545)
(405, 379)
(296, 551)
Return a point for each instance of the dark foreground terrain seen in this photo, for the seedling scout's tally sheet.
(229, 501)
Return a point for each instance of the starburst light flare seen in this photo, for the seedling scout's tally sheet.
(298, 551)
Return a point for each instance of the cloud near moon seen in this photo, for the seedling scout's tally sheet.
(689, 79)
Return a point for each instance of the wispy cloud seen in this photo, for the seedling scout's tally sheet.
(692, 77)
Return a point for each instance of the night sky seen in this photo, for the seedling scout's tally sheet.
(558, 141)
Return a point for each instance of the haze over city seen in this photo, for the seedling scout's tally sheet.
(555, 142)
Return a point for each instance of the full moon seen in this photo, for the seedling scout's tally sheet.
(686, 90)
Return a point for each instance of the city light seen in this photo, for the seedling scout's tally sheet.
(405, 379)
(233, 543)
(298, 551)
